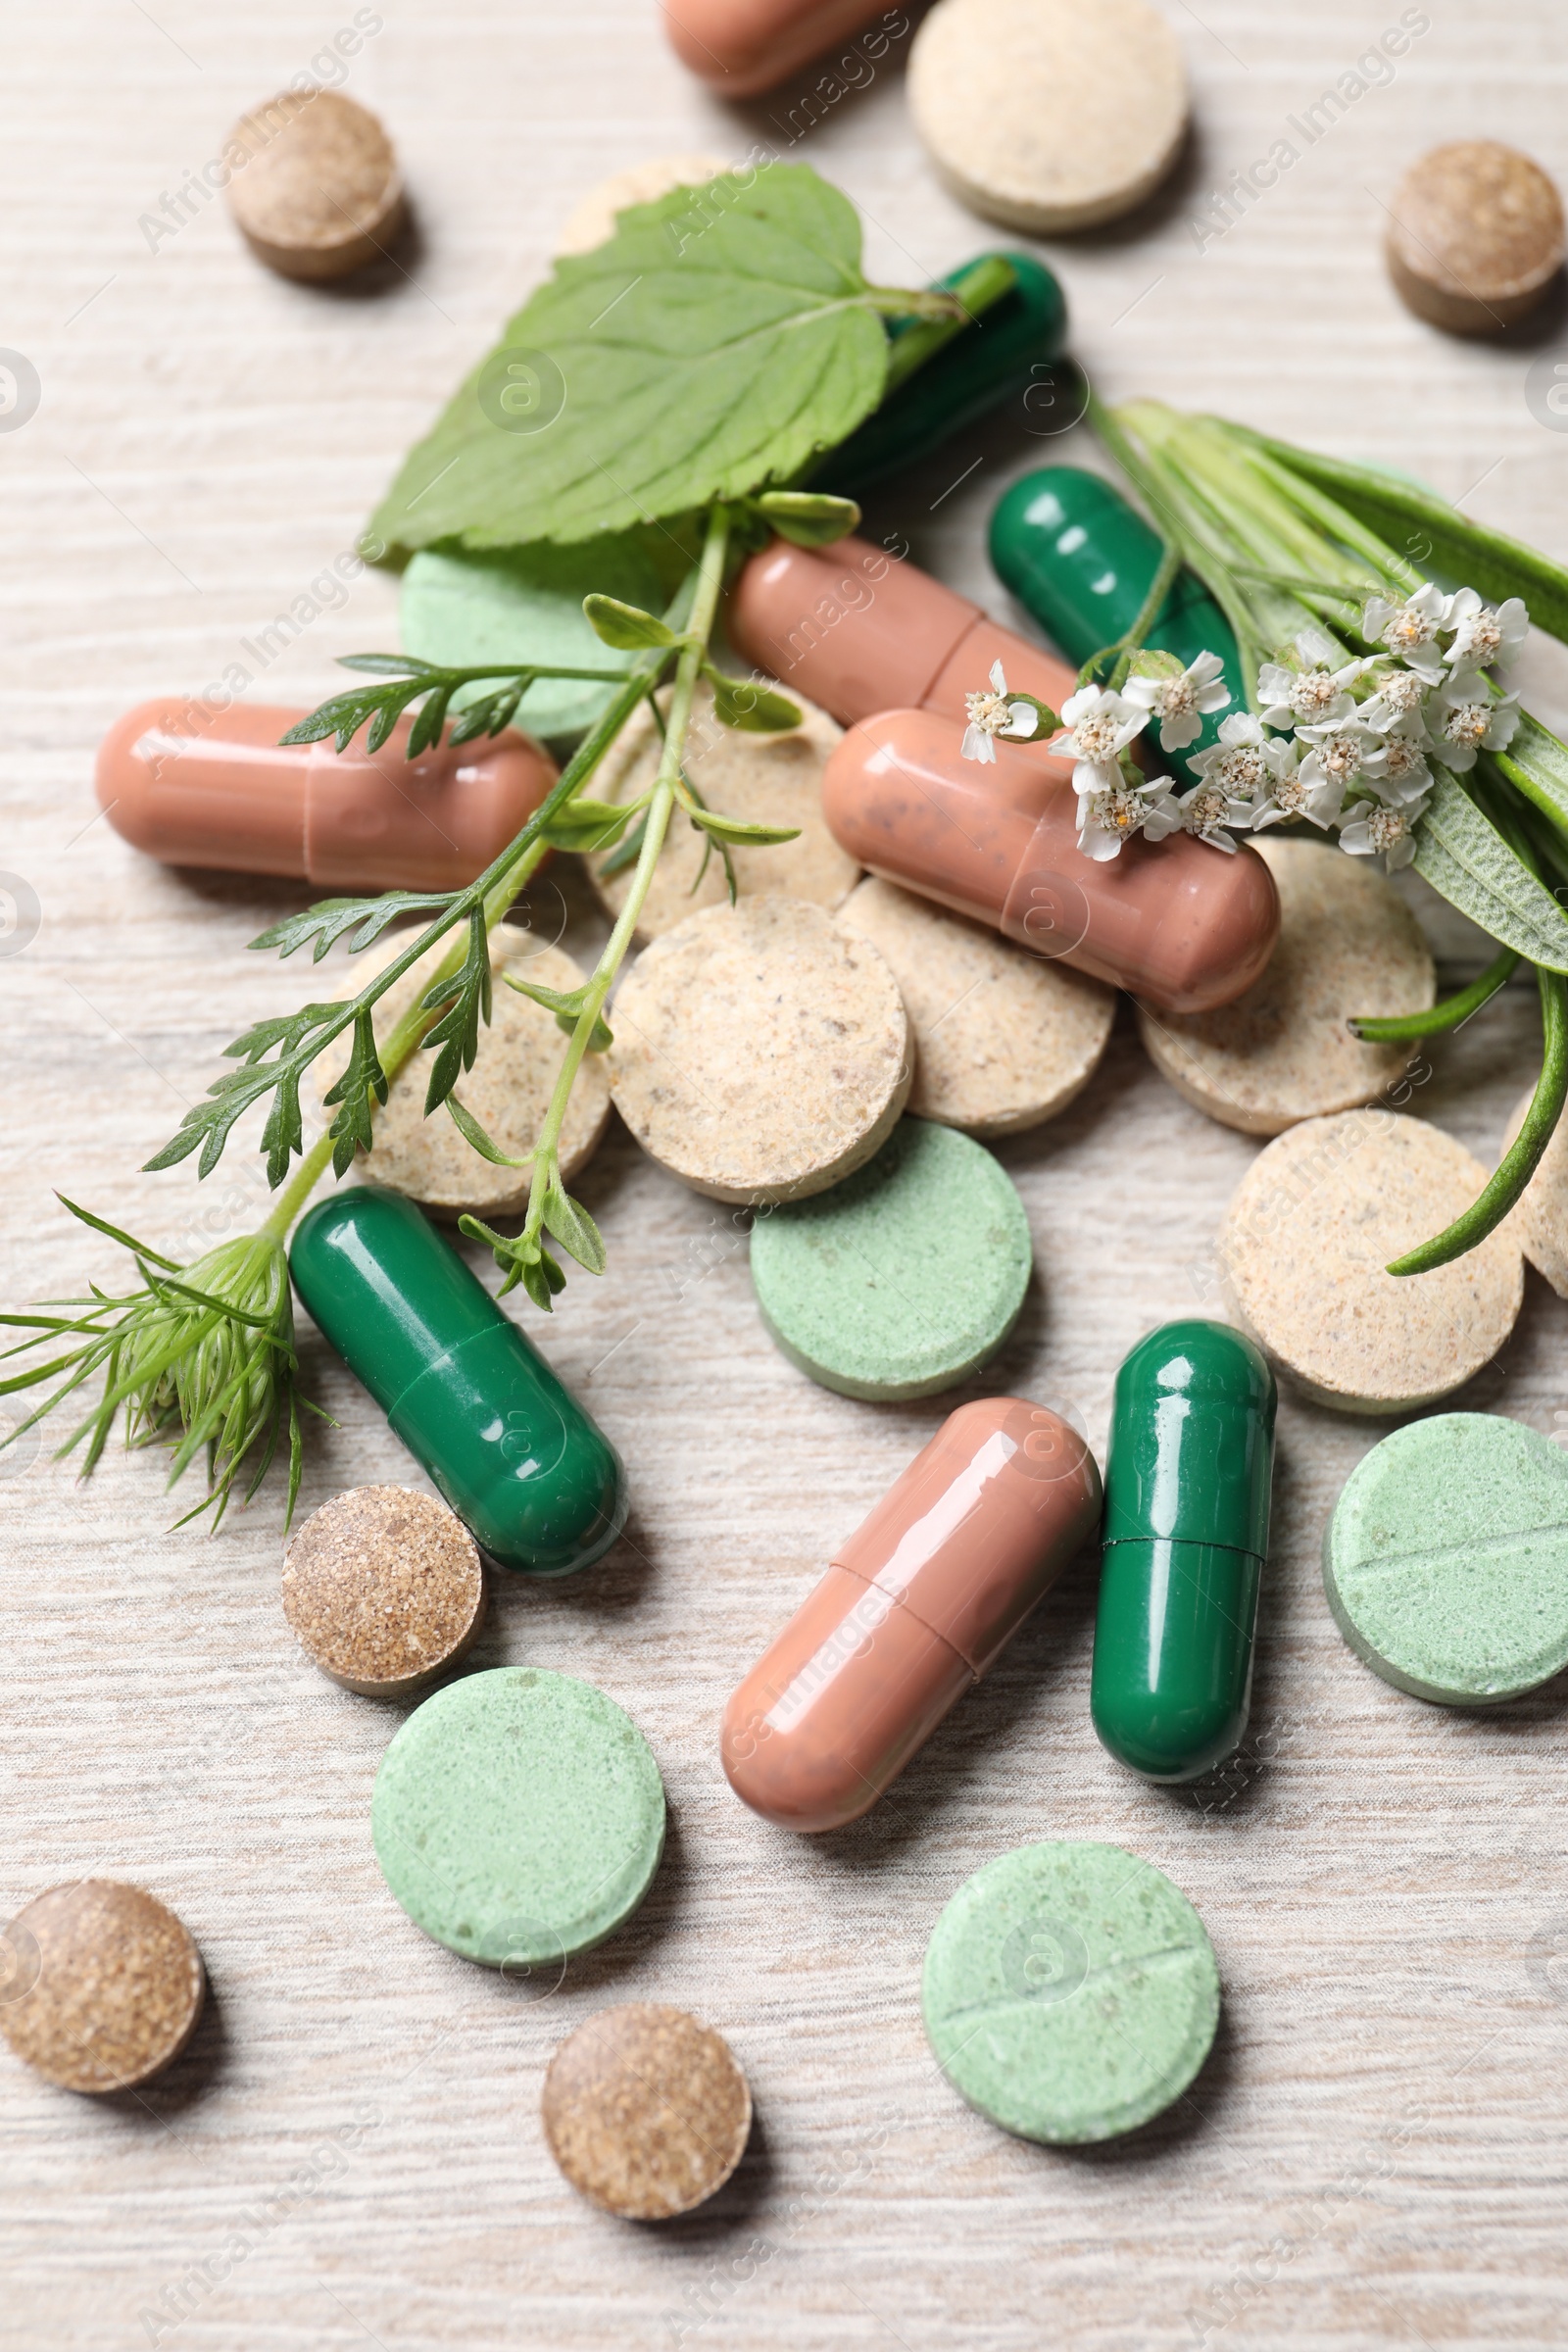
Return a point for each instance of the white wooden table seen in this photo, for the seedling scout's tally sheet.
(351, 2152)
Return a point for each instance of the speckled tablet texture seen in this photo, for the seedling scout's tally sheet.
(646, 2111)
(903, 1280)
(1002, 1040)
(1048, 114)
(320, 194)
(1302, 1248)
(1284, 1052)
(592, 218)
(383, 1589)
(762, 779)
(761, 1053)
(103, 1986)
(1070, 1993)
(1539, 1223)
(518, 1817)
(508, 1090)
(1445, 1563)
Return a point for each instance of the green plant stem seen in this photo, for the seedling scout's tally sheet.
(1519, 1164)
(688, 668)
(977, 290)
(1450, 1013)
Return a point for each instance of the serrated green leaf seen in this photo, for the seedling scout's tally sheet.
(810, 517)
(628, 628)
(333, 919)
(750, 708)
(574, 1228)
(1465, 859)
(715, 342)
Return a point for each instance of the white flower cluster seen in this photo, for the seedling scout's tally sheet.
(1349, 746)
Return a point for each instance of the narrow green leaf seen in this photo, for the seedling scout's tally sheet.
(574, 1228)
(567, 1008)
(1465, 859)
(584, 826)
(333, 919)
(743, 836)
(1450, 1013)
(715, 342)
(624, 626)
(810, 517)
(469, 1127)
(753, 709)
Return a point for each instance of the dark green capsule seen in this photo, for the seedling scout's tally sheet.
(1081, 560)
(509, 1446)
(991, 360)
(1185, 1535)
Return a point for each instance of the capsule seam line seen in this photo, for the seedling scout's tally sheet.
(898, 1602)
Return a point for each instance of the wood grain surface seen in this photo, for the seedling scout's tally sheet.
(351, 2151)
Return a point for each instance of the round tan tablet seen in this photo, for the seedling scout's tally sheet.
(646, 2111)
(102, 1986)
(761, 1053)
(1283, 1050)
(1002, 1039)
(762, 779)
(1539, 1223)
(594, 219)
(318, 194)
(1475, 237)
(1048, 114)
(1320, 1213)
(508, 1090)
(383, 1589)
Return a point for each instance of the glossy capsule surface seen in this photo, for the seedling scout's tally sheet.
(1181, 924)
(913, 1610)
(194, 786)
(525, 1467)
(860, 631)
(741, 47)
(1081, 561)
(1188, 1480)
(996, 358)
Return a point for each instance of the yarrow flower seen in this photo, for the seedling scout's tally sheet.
(1112, 812)
(1102, 725)
(1306, 698)
(1469, 719)
(992, 715)
(1399, 771)
(1399, 706)
(1208, 811)
(1287, 793)
(1411, 630)
(1387, 833)
(1484, 636)
(1181, 704)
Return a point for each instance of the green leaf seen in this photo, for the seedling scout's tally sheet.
(363, 1083)
(1535, 764)
(574, 1228)
(1465, 859)
(810, 517)
(466, 993)
(1436, 537)
(584, 826)
(567, 1008)
(522, 1258)
(628, 628)
(753, 709)
(473, 1134)
(333, 919)
(715, 342)
(730, 829)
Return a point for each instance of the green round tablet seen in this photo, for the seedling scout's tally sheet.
(518, 1817)
(905, 1278)
(1069, 1992)
(1445, 1563)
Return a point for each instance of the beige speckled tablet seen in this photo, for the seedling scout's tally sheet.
(1320, 1213)
(764, 780)
(1048, 114)
(104, 1987)
(593, 219)
(1475, 238)
(760, 1053)
(319, 192)
(1002, 1040)
(1539, 1223)
(1283, 1051)
(383, 1589)
(508, 1090)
